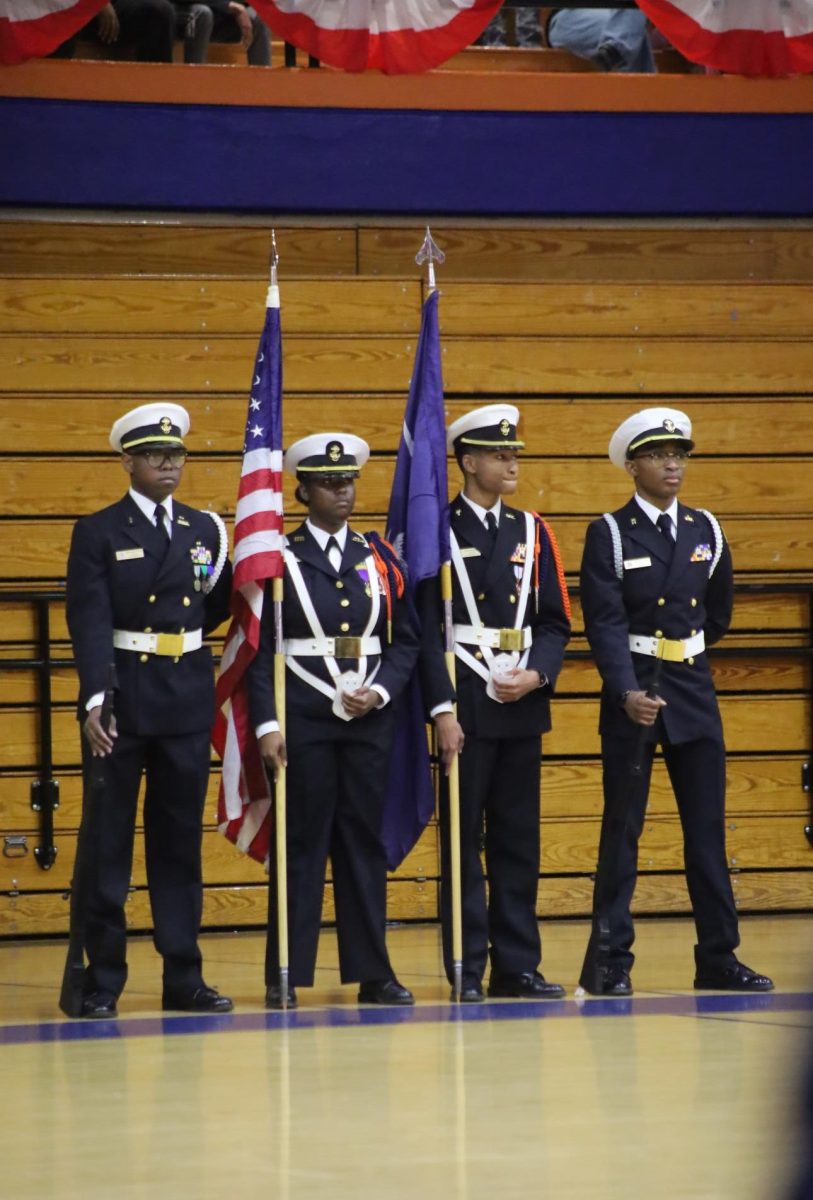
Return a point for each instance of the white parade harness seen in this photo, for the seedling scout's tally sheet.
(514, 640)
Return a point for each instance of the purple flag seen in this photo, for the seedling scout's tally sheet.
(418, 527)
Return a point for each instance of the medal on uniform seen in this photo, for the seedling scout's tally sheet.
(364, 576)
(202, 563)
(518, 560)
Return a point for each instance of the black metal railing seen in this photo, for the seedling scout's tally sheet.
(44, 790)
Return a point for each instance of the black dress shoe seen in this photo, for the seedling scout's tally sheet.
(273, 996)
(202, 1000)
(616, 982)
(471, 990)
(735, 977)
(99, 1005)
(529, 985)
(385, 991)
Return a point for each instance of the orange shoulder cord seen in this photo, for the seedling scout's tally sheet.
(383, 571)
(557, 558)
(396, 570)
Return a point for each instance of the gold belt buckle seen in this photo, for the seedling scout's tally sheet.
(169, 644)
(670, 649)
(510, 639)
(347, 647)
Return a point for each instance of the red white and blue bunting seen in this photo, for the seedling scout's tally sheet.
(34, 28)
(394, 36)
(743, 37)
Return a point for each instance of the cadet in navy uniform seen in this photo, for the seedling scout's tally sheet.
(147, 579)
(350, 648)
(656, 582)
(511, 618)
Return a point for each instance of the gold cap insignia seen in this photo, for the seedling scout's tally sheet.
(334, 451)
(505, 427)
(166, 425)
(669, 425)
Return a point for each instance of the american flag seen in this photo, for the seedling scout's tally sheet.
(244, 803)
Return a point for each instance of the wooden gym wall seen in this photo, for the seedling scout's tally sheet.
(577, 324)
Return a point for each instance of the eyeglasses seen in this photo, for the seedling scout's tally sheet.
(157, 458)
(661, 456)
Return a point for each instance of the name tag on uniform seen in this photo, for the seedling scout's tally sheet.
(123, 555)
(632, 564)
(470, 552)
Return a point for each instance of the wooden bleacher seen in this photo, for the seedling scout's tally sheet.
(576, 323)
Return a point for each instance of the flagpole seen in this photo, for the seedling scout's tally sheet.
(428, 253)
(280, 786)
(454, 793)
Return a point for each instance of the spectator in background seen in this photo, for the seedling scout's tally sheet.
(526, 25)
(223, 21)
(147, 25)
(615, 39)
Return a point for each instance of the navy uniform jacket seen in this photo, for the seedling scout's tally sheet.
(494, 585)
(656, 598)
(342, 601)
(122, 576)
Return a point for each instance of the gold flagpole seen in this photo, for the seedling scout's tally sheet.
(280, 788)
(454, 795)
(428, 253)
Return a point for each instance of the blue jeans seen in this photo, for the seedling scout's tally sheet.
(526, 25)
(614, 39)
(200, 26)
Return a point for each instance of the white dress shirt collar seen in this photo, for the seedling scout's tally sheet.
(148, 506)
(480, 512)
(322, 535)
(653, 512)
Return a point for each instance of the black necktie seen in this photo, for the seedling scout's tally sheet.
(491, 526)
(664, 523)
(335, 560)
(160, 522)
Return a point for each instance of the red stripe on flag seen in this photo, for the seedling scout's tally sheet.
(258, 522)
(256, 480)
(270, 563)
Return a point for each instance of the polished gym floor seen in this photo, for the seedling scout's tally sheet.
(670, 1095)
